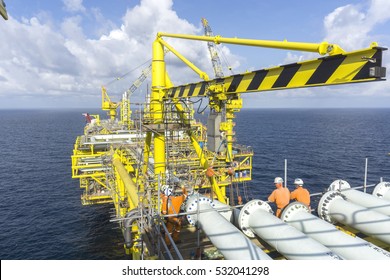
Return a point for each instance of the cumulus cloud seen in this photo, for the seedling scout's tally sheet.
(352, 27)
(74, 5)
(39, 57)
(33, 58)
(42, 59)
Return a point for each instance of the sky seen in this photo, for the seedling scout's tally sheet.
(58, 54)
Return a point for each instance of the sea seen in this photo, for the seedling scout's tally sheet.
(41, 216)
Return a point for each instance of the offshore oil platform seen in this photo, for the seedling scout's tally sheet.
(142, 162)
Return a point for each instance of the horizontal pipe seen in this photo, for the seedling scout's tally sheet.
(334, 208)
(360, 198)
(321, 48)
(229, 240)
(256, 218)
(348, 247)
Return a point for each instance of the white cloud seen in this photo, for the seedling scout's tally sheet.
(40, 59)
(292, 58)
(352, 27)
(74, 5)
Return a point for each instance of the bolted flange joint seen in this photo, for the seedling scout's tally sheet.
(250, 207)
(325, 202)
(339, 185)
(192, 206)
(290, 210)
(381, 189)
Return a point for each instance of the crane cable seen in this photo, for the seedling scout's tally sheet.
(127, 73)
(225, 60)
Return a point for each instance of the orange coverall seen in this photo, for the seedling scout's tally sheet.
(281, 196)
(302, 195)
(171, 205)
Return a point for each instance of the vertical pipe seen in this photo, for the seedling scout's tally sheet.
(285, 173)
(148, 141)
(349, 247)
(158, 85)
(256, 218)
(229, 240)
(334, 208)
(365, 175)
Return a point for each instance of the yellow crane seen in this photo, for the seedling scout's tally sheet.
(108, 105)
(135, 169)
(217, 66)
(337, 67)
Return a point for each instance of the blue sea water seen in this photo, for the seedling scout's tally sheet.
(41, 215)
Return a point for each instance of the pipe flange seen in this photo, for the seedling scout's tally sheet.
(325, 201)
(250, 207)
(339, 185)
(290, 210)
(192, 206)
(381, 189)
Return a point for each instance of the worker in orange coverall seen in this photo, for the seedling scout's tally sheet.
(172, 199)
(300, 193)
(281, 196)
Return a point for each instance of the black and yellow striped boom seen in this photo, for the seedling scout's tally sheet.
(347, 67)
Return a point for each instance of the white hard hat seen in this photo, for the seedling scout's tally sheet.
(278, 180)
(167, 190)
(298, 181)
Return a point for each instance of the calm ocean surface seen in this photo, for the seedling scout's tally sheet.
(41, 215)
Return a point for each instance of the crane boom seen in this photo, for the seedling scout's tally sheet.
(217, 66)
(359, 66)
(338, 67)
(140, 80)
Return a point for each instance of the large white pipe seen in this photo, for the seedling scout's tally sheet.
(348, 247)
(334, 208)
(382, 190)
(228, 239)
(256, 218)
(360, 198)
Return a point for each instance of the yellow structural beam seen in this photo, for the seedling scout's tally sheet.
(201, 74)
(232, 106)
(202, 157)
(321, 48)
